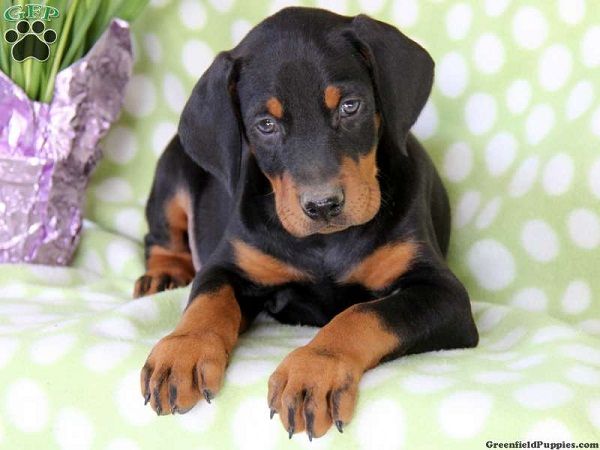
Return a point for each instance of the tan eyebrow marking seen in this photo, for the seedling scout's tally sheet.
(332, 96)
(275, 107)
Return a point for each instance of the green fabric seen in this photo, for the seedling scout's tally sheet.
(514, 127)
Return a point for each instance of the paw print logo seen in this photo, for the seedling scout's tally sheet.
(30, 41)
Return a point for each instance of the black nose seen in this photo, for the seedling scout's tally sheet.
(323, 206)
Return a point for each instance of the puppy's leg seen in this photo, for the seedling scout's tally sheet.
(316, 385)
(189, 363)
(168, 255)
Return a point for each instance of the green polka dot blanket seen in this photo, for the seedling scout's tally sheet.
(513, 125)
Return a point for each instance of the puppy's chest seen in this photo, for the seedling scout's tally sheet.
(374, 269)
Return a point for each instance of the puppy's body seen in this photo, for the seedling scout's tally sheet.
(281, 194)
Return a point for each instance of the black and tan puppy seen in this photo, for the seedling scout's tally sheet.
(294, 187)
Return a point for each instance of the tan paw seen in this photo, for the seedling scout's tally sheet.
(312, 389)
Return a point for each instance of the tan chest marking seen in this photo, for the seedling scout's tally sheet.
(382, 267)
(265, 269)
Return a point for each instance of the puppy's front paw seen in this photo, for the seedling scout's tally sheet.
(181, 369)
(152, 283)
(313, 388)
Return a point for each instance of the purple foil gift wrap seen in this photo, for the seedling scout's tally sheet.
(48, 151)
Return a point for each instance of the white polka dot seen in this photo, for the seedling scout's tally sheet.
(114, 190)
(552, 333)
(590, 50)
(196, 57)
(458, 21)
(584, 375)
(120, 145)
(425, 384)
(549, 430)
(427, 123)
(539, 240)
(539, 123)
(130, 221)
(466, 208)
(518, 96)
(594, 413)
(458, 161)
(595, 122)
(381, 424)
(152, 47)
(583, 353)
(452, 74)
(571, 11)
(554, 67)
(61, 276)
(495, 8)
(122, 444)
(14, 291)
(480, 113)
(371, 6)
(527, 362)
(222, 5)
(558, 174)
(463, 414)
(250, 430)
(130, 403)
(524, 177)
(590, 326)
(584, 228)
(509, 340)
(595, 178)
(174, 92)
(378, 376)
(49, 349)
(105, 356)
(405, 12)
(200, 418)
(245, 373)
(8, 348)
(163, 133)
(530, 299)
(529, 27)
(19, 308)
(239, 29)
(496, 377)
(579, 100)
(491, 318)
(115, 327)
(140, 97)
(488, 53)
(27, 405)
(543, 395)
(492, 264)
(488, 213)
(119, 253)
(73, 430)
(577, 297)
(146, 310)
(192, 14)
(500, 153)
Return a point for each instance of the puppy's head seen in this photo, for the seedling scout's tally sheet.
(310, 93)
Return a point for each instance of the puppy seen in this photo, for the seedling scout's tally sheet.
(294, 187)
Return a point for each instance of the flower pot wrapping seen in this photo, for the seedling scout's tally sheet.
(48, 151)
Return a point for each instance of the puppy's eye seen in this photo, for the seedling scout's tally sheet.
(266, 126)
(349, 107)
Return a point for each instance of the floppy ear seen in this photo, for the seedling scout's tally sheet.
(402, 72)
(209, 129)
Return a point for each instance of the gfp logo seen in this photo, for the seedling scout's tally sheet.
(30, 40)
